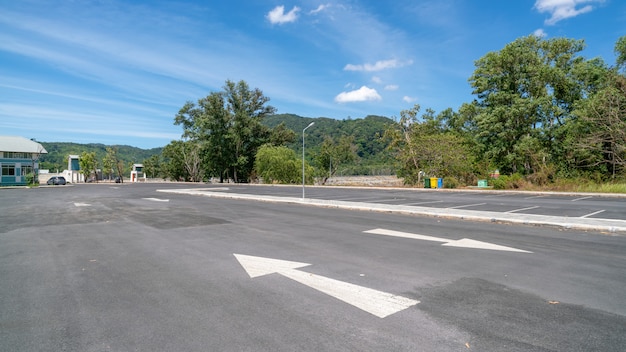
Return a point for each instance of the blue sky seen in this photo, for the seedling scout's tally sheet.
(117, 72)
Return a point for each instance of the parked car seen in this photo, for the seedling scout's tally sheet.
(56, 180)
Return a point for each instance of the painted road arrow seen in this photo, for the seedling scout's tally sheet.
(463, 243)
(378, 303)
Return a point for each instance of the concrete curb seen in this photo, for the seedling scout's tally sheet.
(603, 225)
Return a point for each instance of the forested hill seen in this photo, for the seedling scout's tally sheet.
(59, 151)
(367, 133)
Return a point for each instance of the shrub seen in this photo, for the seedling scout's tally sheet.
(450, 182)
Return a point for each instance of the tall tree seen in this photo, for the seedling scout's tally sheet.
(525, 91)
(229, 126)
(333, 154)
(423, 148)
(603, 118)
(88, 165)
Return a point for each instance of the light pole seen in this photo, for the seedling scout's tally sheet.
(311, 124)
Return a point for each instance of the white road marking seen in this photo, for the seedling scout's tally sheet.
(82, 204)
(522, 209)
(378, 303)
(534, 197)
(157, 199)
(581, 198)
(388, 200)
(432, 201)
(463, 243)
(592, 214)
(466, 205)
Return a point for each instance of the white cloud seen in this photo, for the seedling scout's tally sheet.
(391, 87)
(278, 15)
(378, 66)
(409, 99)
(563, 9)
(540, 33)
(362, 94)
(377, 80)
(319, 9)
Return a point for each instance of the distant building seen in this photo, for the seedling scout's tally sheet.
(72, 174)
(19, 157)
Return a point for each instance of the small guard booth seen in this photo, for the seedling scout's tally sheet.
(137, 173)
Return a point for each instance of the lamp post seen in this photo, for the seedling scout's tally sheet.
(311, 124)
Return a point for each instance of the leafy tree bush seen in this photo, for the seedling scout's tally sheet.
(278, 165)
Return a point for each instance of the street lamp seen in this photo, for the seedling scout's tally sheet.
(311, 124)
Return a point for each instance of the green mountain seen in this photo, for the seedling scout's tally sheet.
(367, 132)
(58, 152)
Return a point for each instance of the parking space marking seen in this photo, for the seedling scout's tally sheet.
(429, 202)
(577, 199)
(592, 214)
(522, 209)
(534, 197)
(389, 200)
(157, 199)
(466, 205)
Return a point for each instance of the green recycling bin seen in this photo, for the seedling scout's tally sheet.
(426, 182)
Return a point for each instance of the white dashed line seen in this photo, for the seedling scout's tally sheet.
(522, 209)
(466, 205)
(592, 214)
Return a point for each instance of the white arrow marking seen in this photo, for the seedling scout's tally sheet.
(157, 199)
(462, 243)
(378, 303)
(82, 204)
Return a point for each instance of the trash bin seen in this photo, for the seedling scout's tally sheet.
(433, 182)
(440, 183)
(426, 182)
(482, 183)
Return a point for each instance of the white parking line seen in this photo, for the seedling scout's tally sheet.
(577, 199)
(388, 200)
(466, 205)
(522, 209)
(592, 214)
(157, 199)
(534, 197)
(429, 202)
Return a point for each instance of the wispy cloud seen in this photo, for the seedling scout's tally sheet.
(391, 87)
(362, 94)
(408, 99)
(563, 9)
(278, 15)
(378, 66)
(319, 9)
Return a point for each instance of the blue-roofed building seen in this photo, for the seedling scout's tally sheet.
(19, 157)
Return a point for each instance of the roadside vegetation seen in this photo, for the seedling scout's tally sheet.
(543, 117)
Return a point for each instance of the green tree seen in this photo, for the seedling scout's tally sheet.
(174, 163)
(278, 164)
(526, 92)
(602, 117)
(620, 52)
(111, 162)
(88, 165)
(333, 154)
(421, 147)
(229, 126)
(152, 166)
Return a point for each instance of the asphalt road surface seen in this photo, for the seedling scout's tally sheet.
(126, 268)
